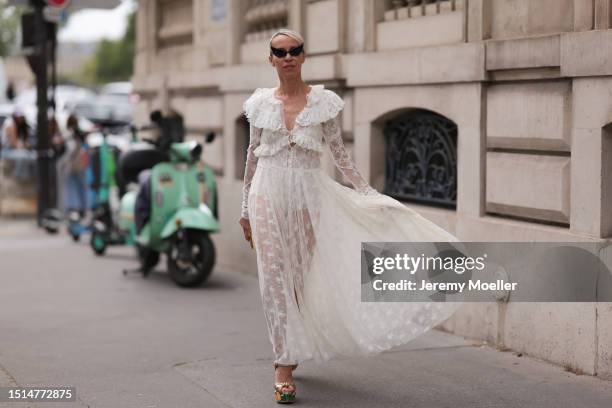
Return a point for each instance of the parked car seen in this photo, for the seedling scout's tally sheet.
(66, 97)
(120, 136)
(114, 105)
(117, 89)
(106, 109)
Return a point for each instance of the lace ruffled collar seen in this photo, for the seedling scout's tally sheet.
(264, 110)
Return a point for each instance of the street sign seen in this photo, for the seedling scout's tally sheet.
(54, 14)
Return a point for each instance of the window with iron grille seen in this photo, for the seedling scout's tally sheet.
(421, 158)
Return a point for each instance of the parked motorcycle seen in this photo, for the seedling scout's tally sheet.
(183, 207)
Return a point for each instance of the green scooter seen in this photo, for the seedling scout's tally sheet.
(183, 208)
(104, 231)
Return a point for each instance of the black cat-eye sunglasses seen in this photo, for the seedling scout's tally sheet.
(282, 53)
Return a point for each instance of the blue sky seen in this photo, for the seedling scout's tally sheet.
(94, 25)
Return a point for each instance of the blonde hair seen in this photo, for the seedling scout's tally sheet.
(289, 33)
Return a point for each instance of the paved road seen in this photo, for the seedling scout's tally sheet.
(69, 318)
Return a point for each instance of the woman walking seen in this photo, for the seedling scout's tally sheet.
(307, 228)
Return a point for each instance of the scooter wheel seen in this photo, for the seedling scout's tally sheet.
(75, 237)
(202, 261)
(98, 244)
(51, 230)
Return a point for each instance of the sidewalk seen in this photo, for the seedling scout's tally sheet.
(72, 319)
(17, 226)
(437, 370)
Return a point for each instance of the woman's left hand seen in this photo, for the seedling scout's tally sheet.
(246, 229)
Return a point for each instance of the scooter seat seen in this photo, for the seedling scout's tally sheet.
(138, 159)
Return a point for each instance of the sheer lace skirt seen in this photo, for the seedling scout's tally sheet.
(308, 230)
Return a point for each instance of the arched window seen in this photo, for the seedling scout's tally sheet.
(174, 22)
(264, 17)
(421, 158)
(404, 9)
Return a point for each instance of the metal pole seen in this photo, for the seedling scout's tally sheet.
(42, 124)
(53, 176)
(53, 37)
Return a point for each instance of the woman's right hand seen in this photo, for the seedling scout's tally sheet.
(246, 229)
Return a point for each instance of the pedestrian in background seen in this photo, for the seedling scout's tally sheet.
(17, 146)
(58, 148)
(77, 161)
(10, 91)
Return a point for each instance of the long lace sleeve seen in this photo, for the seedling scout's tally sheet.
(333, 136)
(249, 169)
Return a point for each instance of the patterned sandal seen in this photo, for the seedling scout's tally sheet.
(284, 397)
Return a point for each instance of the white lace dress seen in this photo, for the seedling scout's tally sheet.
(308, 229)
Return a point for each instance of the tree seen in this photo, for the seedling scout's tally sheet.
(113, 60)
(10, 20)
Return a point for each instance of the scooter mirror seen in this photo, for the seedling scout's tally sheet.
(196, 152)
(156, 116)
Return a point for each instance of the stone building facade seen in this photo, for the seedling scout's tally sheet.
(489, 117)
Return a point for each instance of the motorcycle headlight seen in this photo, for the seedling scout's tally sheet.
(204, 208)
